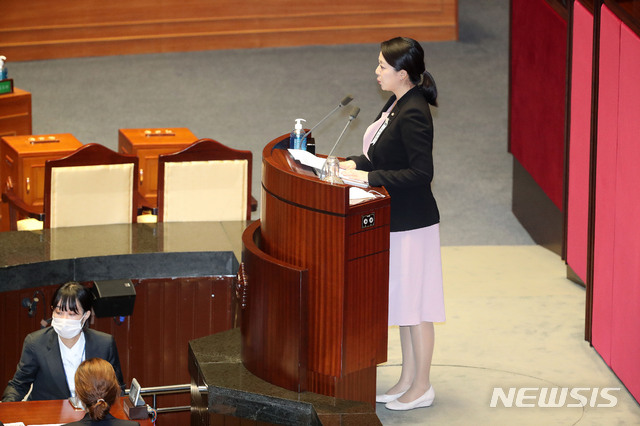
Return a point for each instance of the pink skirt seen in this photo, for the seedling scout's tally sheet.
(415, 277)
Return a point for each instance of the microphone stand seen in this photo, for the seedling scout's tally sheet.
(342, 103)
(324, 172)
(352, 117)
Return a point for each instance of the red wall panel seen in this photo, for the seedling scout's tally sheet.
(537, 93)
(616, 279)
(606, 182)
(579, 141)
(625, 324)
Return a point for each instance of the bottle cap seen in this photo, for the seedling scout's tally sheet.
(298, 125)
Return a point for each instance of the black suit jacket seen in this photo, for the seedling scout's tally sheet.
(401, 160)
(109, 420)
(41, 364)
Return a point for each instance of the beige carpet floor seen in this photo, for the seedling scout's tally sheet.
(513, 321)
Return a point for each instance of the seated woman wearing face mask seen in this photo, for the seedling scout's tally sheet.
(51, 356)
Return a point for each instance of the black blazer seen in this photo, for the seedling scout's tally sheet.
(402, 162)
(109, 420)
(41, 364)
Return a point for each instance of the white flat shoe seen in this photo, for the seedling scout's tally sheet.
(385, 397)
(424, 401)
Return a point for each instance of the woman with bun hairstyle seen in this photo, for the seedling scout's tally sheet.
(397, 154)
(97, 388)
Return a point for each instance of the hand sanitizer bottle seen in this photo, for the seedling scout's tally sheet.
(298, 140)
(3, 68)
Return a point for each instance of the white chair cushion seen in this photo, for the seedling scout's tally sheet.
(91, 195)
(197, 191)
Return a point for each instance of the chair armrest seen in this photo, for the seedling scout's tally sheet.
(19, 205)
(16, 204)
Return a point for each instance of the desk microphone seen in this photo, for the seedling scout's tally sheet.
(354, 113)
(342, 103)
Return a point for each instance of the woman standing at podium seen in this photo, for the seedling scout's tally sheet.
(397, 154)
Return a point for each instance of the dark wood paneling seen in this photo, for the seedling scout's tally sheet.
(560, 6)
(365, 312)
(628, 11)
(152, 342)
(275, 320)
(535, 211)
(15, 324)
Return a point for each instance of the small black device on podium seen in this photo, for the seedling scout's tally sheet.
(134, 406)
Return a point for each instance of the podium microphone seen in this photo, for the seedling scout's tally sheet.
(342, 103)
(354, 113)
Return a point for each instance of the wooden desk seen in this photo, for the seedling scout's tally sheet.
(54, 411)
(147, 145)
(15, 119)
(15, 113)
(22, 166)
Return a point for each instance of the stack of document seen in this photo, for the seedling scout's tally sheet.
(352, 181)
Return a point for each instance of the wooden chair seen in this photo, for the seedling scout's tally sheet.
(91, 186)
(207, 181)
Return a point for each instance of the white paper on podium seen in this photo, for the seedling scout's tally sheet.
(307, 158)
(358, 195)
(353, 182)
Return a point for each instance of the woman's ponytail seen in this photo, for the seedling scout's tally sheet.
(429, 88)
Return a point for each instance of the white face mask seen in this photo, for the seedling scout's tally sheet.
(67, 328)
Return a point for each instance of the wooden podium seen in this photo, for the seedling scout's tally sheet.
(313, 284)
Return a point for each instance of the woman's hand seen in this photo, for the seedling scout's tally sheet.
(347, 165)
(356, 175)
